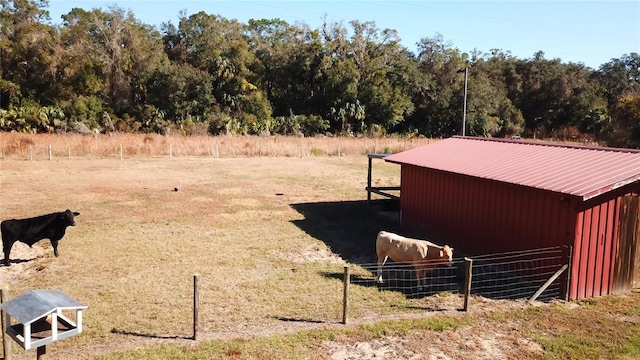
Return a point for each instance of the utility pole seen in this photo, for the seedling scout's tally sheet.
(464, 106)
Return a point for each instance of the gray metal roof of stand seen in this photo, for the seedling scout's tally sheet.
(34, 304)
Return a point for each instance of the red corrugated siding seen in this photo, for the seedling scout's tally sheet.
(577, 281)
(594, 251)
(480, 216)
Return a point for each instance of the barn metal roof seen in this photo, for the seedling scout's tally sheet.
(580, 171)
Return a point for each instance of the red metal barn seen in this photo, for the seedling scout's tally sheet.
(486, 196)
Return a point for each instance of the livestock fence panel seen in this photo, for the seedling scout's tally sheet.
(528, 274)
(518, 274)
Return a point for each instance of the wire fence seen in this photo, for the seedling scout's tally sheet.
(511, 275)
(50, 147)
(352, 291)
(530, 274)
(520, 274)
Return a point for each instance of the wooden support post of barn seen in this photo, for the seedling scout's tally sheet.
(467, 282)
(345, 294)
(569, 255)
(4, 322)
(380, 190)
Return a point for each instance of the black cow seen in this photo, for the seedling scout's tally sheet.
(31, 230)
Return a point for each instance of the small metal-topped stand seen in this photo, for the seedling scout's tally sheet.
(40, 318)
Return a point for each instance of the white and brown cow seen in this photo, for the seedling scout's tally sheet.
(421, 254)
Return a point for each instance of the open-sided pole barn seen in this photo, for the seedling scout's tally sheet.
(487, 196)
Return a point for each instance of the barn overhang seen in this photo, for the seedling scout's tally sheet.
(578, 171)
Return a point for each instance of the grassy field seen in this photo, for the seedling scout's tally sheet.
(269, 237)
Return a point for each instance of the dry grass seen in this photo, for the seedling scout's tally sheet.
(268, 236)
(36, 146)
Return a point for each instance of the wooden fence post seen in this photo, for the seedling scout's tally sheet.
(4, 317)
(30, 153)
(345, 294)
(120, 151)
(49, 149)
(467, 282)
(569, 250)
(196, 304)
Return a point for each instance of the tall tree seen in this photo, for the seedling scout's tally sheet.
(218, 46)
(552, 96)
(619, 82)
(439, 99)
(618, 77)
(30, 51)
(491, 112)
(288, 66)
(111, 50)
(383, 64)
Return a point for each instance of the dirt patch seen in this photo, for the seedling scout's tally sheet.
(484, 340)
(23, 262)
(466, 343)
(316, 253)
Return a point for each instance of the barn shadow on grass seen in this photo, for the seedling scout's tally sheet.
(349, 228)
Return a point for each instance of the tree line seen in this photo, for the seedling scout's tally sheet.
(103, 70)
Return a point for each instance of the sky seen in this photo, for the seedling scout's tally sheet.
(587, 32)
